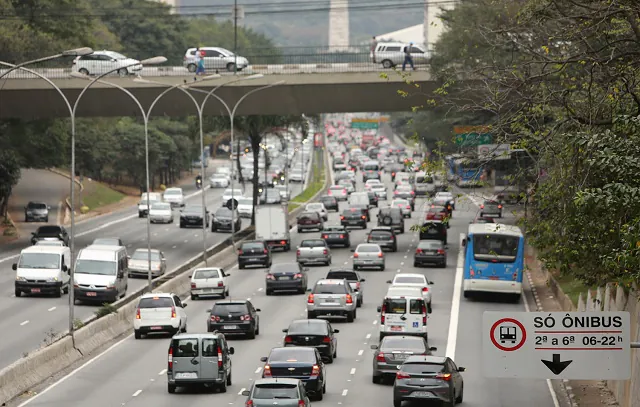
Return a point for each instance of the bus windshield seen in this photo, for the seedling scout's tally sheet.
(495, 248)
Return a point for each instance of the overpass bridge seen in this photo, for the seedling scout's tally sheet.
(315, 81)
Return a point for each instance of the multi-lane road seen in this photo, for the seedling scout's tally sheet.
(133, 372)
(30, 321)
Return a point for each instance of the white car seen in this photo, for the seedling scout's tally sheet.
(161, 212)
(159, 313)
(414, 280)
(380, 190)
(371, 182)
(226, 195)
(142, 205)
(446, 195)
(297, 174)
(219, 181)
(348, 185)
(209, 281)
(339, 192)
(245, 207)
(318, 207)
(174, 196)
(404, 206)
(100, 62)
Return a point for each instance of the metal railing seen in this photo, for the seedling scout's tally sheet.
(281, 60)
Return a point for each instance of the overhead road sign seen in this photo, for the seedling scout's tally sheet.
(469, 136)
(495, 151)
(557, 345)
(364, 125)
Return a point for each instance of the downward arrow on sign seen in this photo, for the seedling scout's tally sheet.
(556, 366)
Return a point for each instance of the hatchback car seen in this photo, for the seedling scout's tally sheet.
(139, 263)
(437, 213)
(101, 62)
(317, 333)
(159, 313)
(254, 253)
(330, 202)
(36, 211)
(430, 252)
(279, 391)
(223, 220)
(339, 192)
(209, 281)
(391, 217)
(219, 181)
(304, 363)
(353, 278)
(214, 58)
(310, 220)
(336, 235)
(380, 190)
(368, 255)
(393, 351)
(491, 207)
(448, 196)
(332, 298)
(353, 217)
(191, 215)
(404, 205)
(174, 196)
(234, 317)
(439, 374)
(347, 184)
(318, 207)
(313, 251)
(160, 212)
(50, 233)
(286, 277)
(384, 237)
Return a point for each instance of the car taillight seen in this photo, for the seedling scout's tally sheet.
(220, 283)
(270, 277)
(424, 315)
(288, 339)
(481, 206)
(173, 312)
(266, 251)
(297, 276)
(219, 358)
(329, 192)
(499, 206)
(393, 174)
(170, 360)
(440, 251)
(349, 299)
(402, 375)
(215, 318)
(425, 289)
(325, 251)
(138, 313)
(344, 191)
(246, 317)
(515, 276)
(341, 236)
(301, 403)
(396, 192)
(239, 251)
(325, 236)
(249, 403)
(380, 254)
(392, 237)
(412, 193)
(444, 376)
(418, 251)
(310, 299)
(380, 357)
(341, 217)
(382, 316)
(356, 255)
(266, 371)
(408, 206)
(315, 371)
(326, 339)
(472, 272)
(298, 252)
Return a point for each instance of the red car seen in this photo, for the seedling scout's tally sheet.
(437, 213)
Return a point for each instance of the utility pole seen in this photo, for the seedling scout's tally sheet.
(235, 37)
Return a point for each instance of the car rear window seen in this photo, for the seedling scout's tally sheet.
(408, 280)
(415, 344)
(292, 355)
(368, 249)
(422, 368)
(271, 391)
(337, 188)
(380, 233)
(339, 275)
(206, 274)
(144, 255)
(309, 216)
(430, 245)
(226, 309)
(395, 306)
(156, 302)
(311, 328)
(416, 306)
(329, 289)
(185, 348)
(313, 243)
(253, 246)
(352, 211)
(334, 229)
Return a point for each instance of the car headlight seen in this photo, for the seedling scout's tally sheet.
(21, 279)
(52, 280)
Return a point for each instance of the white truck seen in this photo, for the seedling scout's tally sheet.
(272, 226)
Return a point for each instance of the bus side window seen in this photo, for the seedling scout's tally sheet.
(464, 242)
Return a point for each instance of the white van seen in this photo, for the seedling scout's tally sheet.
(101, 274)
(43, 270)
(403, 315)
(424, 184)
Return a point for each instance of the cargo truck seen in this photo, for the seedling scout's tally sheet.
(272, 226)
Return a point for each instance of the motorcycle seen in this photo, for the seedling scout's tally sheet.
(199, 183)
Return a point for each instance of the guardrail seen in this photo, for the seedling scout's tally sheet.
(283, 60)
(40, 365)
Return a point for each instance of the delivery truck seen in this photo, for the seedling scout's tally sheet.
(272, 226)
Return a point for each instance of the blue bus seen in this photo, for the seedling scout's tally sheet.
(494, 260)
(450, 166)
(467, 172)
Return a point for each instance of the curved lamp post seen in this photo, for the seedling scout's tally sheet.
(77, 52)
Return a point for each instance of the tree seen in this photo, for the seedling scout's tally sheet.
(9, 176)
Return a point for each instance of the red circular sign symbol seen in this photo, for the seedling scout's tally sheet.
(508, 334)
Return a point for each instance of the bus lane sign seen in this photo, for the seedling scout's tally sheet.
(557, 345)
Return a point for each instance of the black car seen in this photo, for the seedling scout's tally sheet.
(304, 363)
(56, 232)
(222, 220)
(234, 317)
(491, 207)
(373, 198)
(254, 253)
(317, 333)
(434, 230)
(286, 277)
(353, 217)
(363, 207)
(391, 217)
(437, 373)
(430, 252)
(310, 220)
(330, 202)
(385, 237)
(393, 351)
(191, 215)
(36, 211)
(336, 235)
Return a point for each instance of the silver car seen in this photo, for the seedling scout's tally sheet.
(368, 255)
(393, 351)
(161, 212)
(332, 298)
(139, 263)
(353, 278)
(215, 58)
(404, 205)
(380, 190)
(313, 251)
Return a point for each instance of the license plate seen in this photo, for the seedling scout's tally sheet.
(334, 236)
(284, 278)
(188, 375)
(207, 290)
(400, 357)
(88, 294)
(329, 300)
(396, 328)
(35, 290)
(230, 326)
(353, 222)
(156, 328)
(422, 394)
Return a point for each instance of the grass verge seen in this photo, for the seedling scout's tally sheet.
(572, 287)
(316, 181)
(96, 195)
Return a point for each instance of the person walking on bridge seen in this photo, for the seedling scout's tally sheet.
(199, 62)
(374, 45)
(408, 59)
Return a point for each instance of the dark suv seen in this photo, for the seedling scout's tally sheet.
(234, 317)
(191, 215)
(310, 220)
(391, 217)
(222, 220)
(50, 233)
(254, 253)
(353, 217)
(384, 237)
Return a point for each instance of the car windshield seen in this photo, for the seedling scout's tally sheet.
(223, 213)
(103, 268)
(210, 273)
(308, 327)
(292, 355)
(339, 275)
(422, 368)
(156, 302)
(143, 255)
(161, 206)
(50, 261)
(271, 391)
(231, 308)
(107, 242)
(408, 280)
(173, 192)
(414, 344)
(368, 248)
(312, 243)
(191, 209)
(245, 202)
(33, 205)
(329, 289)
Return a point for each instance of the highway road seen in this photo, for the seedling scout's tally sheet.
(132, 372)
(30, 321)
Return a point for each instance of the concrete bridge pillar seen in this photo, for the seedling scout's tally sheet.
(338, 25)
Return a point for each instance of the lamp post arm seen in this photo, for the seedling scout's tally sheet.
(13, 67)
(246, 95)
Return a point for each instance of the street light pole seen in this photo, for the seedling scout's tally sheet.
(77, 52)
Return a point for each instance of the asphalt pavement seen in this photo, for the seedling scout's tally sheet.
(133, 372)
(30, 321)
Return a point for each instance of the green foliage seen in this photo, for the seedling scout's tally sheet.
(9, 176)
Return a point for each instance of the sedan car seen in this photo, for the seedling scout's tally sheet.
(224, 218)
(336, 235)
(437, 213)
(317, 333)
(393, 351)
(304, 363)
(254, 253)
(234, 317)
(310, 220)
(281, 391)
(491, 207)
(383, 236)
(448, 196)
(209, 281)
(353, 278)
(219, 181)
(50, 233)
(380, 190)
(339, 192)
(330, 202)
(286, 277)
(160, 212)
(348, 185)
(313, 251)
(318, 207)
(368, 255)
(430, 252)
(245, 207)
(353, 217)
(229, 193)
(437, 373)
(332, 298)
(139, 263)
(404, 205)
(174, 196)
(36, 211)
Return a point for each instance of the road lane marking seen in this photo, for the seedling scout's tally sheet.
(186, 241)
(402, 262)
(452, 337)
(360, 352)
(258, 370)
(344, 392)
(375, 322)
(174, 247)
(51, 309)
(23, 323)
(249, 299)
(368, 336)
(163, 371)
(353, 371)
(241, 390)
(136, 394)
(405, 257)
(260, 289)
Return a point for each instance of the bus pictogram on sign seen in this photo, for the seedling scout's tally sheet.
(508, 334)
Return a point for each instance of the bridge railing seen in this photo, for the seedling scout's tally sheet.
(280, 60)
